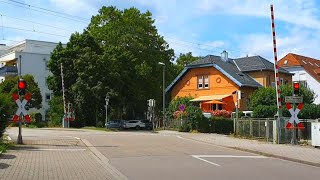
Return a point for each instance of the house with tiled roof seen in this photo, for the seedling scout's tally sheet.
(212, 80)
(306, 70)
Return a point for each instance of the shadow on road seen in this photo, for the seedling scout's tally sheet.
(7, 156)
(4, 165)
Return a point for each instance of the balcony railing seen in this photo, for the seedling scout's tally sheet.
(8, 71)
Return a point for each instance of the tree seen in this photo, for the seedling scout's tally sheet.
(117, 54)
(185, 59)
(7, 104)
(9, 86)
(263, 101)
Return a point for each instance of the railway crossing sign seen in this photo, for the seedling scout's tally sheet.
(294, 116)
(21, 107)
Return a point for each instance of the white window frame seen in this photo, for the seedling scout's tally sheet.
(203, 82)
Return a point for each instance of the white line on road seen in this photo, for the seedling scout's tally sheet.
(195, 156)
(230, 156)
(200, 157)
(54, 149)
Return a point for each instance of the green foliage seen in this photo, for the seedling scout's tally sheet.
(185, 59)
(218, 125)
(56, 111)
(5, 109)
(117, 54)
(264, 111)
(310, 111)
(263, 101)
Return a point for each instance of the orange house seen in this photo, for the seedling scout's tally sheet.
(213, 80)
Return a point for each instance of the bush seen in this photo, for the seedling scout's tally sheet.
(310, 111)
(264, 111)
(220, 113)
(218, 125)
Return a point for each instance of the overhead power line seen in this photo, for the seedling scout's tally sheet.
(47, 11)
(34, 31)
(29, 5)
(41, 24)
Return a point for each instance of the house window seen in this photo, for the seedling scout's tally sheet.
(214, 107)
(281, 81)
(203, 82)
(273, 84)
(285, 62)
(48, 97)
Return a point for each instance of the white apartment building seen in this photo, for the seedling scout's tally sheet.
(306, 70)
(34, 56)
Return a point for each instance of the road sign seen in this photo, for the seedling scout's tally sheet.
(294, 116)
(182, 107)
(21, 107)
(293, 99)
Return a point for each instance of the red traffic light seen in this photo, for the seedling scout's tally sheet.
(22, 84)
(296, 85)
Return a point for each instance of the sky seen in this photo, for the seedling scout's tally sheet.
(203, 27)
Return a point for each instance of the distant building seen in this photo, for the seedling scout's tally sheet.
(212, 80)
(34, 56)
(306, 70)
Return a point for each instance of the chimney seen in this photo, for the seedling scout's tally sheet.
(224, 56)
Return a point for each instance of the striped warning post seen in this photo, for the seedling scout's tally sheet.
(276, 67)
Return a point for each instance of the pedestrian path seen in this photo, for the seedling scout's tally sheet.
(43, 158)
(303, 154)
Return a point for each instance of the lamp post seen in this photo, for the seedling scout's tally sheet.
(163, 93)
(106, 106)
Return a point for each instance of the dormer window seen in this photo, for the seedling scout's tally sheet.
(285, 62)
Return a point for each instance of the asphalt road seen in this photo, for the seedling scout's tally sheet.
(145, 156)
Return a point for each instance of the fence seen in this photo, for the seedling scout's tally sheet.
(264, 128)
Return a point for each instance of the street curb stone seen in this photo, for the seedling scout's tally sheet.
(262, 153)
(104, 161)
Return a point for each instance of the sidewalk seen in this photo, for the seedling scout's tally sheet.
(302, 154)
(54, 158)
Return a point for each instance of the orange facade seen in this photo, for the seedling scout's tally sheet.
(219, 84)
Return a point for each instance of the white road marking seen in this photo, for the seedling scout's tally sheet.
(200, 157)
(55, 149)
(230, 156)
(205, 160)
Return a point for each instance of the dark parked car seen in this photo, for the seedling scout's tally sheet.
(115, 124)
(148, 124)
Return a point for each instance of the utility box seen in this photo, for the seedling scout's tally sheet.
(315, 134)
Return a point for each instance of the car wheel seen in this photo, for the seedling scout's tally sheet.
(137, 127)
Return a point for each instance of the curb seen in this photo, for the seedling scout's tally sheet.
(262, 153)
(277, 156)
(104, 161)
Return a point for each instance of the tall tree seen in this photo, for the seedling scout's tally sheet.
(118, 53)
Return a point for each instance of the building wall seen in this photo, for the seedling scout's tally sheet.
(301, 75)
(266, 78)
(219, 84)
(188, 85)
(35, 64)
(34, 58)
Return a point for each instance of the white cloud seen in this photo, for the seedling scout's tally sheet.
(299, 12)
(298, 40)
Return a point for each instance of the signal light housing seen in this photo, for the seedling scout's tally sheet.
(22, 86)
(296, 88)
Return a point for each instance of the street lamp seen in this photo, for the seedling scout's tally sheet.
(106, 106)
(163, 92)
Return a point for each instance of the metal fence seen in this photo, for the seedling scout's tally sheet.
(264, 129)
